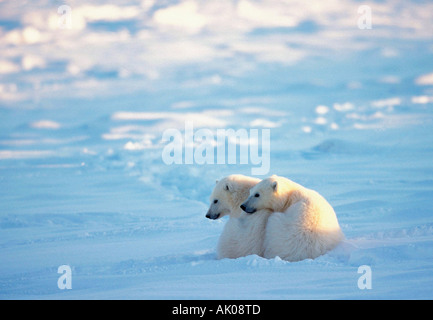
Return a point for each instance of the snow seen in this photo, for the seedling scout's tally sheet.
(83, 182)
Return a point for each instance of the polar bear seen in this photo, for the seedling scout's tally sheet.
(303, 225)
(243, 233)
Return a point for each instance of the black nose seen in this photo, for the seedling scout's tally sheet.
(243, 207)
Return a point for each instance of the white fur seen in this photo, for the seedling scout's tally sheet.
(243, 236)
(306, 226)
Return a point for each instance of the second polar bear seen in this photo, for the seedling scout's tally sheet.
(243, 233)
(303, 225)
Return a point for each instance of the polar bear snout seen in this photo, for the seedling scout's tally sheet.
(212, 215)
(247, 208)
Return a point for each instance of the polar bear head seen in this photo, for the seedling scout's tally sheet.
(228, 194)
(271, 194)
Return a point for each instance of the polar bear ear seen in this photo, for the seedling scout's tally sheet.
(274, 185)
(216, 182)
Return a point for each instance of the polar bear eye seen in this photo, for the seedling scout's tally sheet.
(215, 201)
(256, 195)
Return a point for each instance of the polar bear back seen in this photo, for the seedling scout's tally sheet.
(306, 230)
